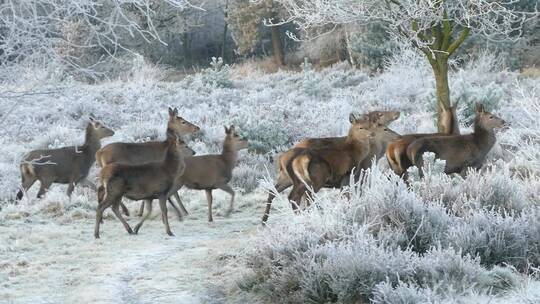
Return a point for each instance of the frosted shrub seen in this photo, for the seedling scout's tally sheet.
(263, 135)
(386, 293)
(312, 83)
(498, 239)
(217, 75)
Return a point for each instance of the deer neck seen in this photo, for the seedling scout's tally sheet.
(170, 134)
(358, 146)
(483, 138)
(92, 142)
(230, 155)
(173, 160)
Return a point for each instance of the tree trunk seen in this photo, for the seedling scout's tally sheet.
(224, 42)
(440, 69)
(186, 48)
(352, 62)
(277, 47)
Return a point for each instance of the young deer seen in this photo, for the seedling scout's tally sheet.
(381, 118)
(460, 151)
(209, 172)
(155, 180)
(67, 165)
(396, 151)
(152, 151)
(328, 166)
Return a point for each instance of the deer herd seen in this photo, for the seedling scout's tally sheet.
(159, 169)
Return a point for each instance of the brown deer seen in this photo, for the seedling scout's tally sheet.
(328, 166)
(396, 151)
(209, 172)
(460, 151)
(154, 180)
(67, 165)
(382, 118)
(152, 151)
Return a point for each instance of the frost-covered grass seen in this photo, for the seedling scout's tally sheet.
(443, 239)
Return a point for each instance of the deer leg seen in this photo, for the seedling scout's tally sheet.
(280, 187)
(141, 209)
(209, 200)
(180, 204)
(116, 210)
(45, 185)
(163, 206)
(70, 189)
(228, 189)
(176, 210)
(125, 210)
(148, 213)
(296, 194)
(99, 215)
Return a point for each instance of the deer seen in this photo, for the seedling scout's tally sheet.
(329, 166)
(460, 151)
(396, 151)
(153, 180)
(66, 165)
(210, 172)
(152, 151)
(380, 118)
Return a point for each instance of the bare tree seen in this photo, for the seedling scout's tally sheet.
(437, 28)
(245, 20)
(41, 31)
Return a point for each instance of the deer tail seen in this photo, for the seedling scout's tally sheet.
(295, 170)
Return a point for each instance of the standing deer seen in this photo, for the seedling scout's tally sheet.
(209, 172)
(67, 165)
(382, 118)
(460, 151)
(396, 151)
(152, 151)
(328, 166)
(155, 180)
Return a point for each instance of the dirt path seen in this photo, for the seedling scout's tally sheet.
(53, 262)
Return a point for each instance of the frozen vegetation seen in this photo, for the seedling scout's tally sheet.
(443, 239)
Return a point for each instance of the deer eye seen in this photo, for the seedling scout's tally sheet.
(491, 117)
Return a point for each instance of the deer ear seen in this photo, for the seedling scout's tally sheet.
(479, 108)
(172, 112)
(231, 128)
(93, 122)
(352, 118)
(227, 131)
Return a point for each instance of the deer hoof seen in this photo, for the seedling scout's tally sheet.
(136, 229)
(170, 233)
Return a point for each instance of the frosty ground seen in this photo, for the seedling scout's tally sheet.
(52, 259)
(445, 239)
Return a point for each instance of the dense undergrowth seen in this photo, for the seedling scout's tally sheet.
(443, 238)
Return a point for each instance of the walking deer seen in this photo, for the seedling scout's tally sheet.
(460, 151)
(396, 151)
(67, 165)
(375, 118)
(155, 180)
(328, 166)
(209, 172)
(152, 151)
